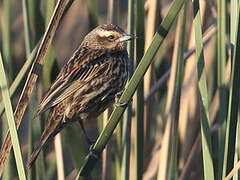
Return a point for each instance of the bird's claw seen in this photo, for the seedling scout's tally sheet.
(125, 104)
(118, 104)
(93, 153)
(91, 147)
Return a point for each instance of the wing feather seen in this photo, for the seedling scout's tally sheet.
(63, 87)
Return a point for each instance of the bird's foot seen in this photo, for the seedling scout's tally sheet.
(125, 104)
(118, 104)
(93, 153)
(91, 147)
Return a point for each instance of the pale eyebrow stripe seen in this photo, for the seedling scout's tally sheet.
(103, 33)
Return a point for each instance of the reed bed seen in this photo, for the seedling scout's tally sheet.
(183, 90)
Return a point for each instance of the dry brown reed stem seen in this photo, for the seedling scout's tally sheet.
(32, 77)
(59, 156)
(233, 171)
(196, 148)
(151, 14)
(165, 152)
(152, 168)
(188, 123)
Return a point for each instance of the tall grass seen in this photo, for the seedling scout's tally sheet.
(203, 96)
(10, 121)
(182, 125)
(139, 137)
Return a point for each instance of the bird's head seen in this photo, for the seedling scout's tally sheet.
(107, 37)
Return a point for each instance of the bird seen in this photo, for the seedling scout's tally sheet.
(91, 81)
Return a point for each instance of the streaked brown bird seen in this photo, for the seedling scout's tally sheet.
(87, 84)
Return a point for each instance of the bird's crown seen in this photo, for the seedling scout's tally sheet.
(106, 36)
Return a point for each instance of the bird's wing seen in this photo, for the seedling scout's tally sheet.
(68, 83)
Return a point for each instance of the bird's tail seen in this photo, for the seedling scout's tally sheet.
(51, 129)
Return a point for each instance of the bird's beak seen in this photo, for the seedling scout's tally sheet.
(127, 37)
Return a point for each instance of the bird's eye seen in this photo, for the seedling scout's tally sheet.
(111, 37)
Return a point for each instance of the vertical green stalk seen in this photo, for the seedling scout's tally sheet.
(36, 19)
(237, 147)
(221, 63)
(233, 103)
(34, 129)
(27, 30)
(6, 44)
(11, 122)
(126, 143)
(118, 154)
(203, 96)
(50, 7)
(140, 100)
(6, 35)
(28, 49)
(92, 13)
(233, 33)
(128, 114)
(31, 12)
(234, 21)
(173, 172)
